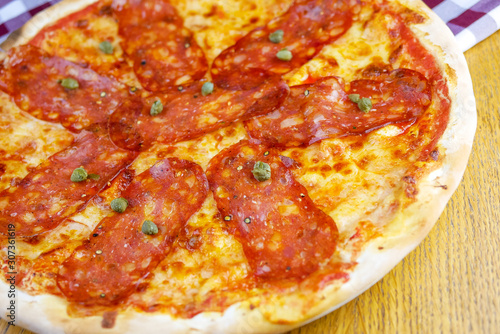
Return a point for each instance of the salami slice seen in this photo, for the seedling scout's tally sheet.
(283, 234)
(307, 26)
(164, 52)
(107, 267)
(47, 195)
(190, 114)
(323, 110)
(56, 90)
(88, 38)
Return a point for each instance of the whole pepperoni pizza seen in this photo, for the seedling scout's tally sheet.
(221, 166)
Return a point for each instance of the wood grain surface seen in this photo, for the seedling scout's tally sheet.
(451, 282)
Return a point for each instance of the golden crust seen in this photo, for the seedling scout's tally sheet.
(47, 313)
(43, 19)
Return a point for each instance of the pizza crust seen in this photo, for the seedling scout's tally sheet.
(47, 313)
(43, 19)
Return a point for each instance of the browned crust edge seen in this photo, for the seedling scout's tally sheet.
(47, 313)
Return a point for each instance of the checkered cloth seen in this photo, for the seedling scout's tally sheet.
(470, 20)
(13, 14)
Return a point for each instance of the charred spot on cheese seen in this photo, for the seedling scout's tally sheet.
(108, 318)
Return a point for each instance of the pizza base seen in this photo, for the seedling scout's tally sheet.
(47, 313)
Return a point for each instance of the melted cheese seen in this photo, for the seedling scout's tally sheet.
(78, 41)
(25, 141)
(218, 24)
(357, 180)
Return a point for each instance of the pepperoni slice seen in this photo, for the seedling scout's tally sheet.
(283, 234)
(164, 53)
(108, 267)
(190, 114)
(47, 195)
(33, 78)
(307, 26)
(323, 110)
(78, 37)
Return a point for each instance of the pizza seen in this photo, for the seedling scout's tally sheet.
(220, 166)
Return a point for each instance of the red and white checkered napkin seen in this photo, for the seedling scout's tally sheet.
(15, 13)
(470, 20)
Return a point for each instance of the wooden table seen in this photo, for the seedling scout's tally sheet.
(451, 282)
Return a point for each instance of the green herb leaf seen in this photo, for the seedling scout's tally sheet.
(94, 176)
